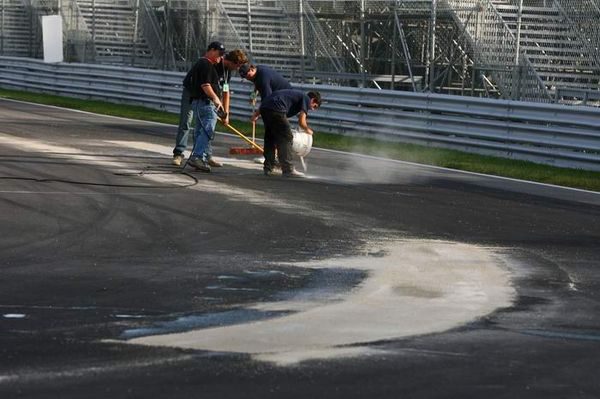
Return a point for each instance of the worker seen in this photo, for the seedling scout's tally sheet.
(223, 64)
(275, 111)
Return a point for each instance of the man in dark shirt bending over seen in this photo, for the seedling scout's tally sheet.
(275, 111)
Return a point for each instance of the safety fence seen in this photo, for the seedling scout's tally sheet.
(546, 133)
(534, 50)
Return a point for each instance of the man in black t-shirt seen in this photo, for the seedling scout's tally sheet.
(223, 64)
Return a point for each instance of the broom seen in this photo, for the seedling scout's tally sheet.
(254, 148)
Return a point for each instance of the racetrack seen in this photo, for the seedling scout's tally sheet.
(122, 276)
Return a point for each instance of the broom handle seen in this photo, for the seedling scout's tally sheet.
(252, 143)
(254, 122)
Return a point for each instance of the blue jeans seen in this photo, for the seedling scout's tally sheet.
(186, 117)
(206, 120)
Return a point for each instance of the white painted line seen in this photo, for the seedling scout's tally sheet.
(14, 316)
(78, 372)
(459, 171)
(103, 194)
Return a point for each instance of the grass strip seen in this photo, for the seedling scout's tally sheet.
(576, 178)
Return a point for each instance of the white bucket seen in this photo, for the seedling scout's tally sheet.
(302, 143)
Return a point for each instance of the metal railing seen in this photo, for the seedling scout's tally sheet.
(546, 133)
(584, 15)
(225, 30)
(77, 34)
(314, 43)
(160, 43)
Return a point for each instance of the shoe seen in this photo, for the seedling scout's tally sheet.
(213, 163)
(199, 164)
(293, 174)
(267, 172)
(177, 159)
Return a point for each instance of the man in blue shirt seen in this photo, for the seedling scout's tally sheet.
(266, 80)
(275, 111)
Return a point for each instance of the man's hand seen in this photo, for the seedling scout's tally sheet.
(221, 113)
(217, 102)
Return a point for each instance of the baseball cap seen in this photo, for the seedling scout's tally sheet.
(244, 70)
(217, 46)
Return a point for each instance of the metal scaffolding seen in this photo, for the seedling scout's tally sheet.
(535, 50)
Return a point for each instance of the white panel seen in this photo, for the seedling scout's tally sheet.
(53, 38)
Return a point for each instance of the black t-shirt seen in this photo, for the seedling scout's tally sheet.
(202, 72)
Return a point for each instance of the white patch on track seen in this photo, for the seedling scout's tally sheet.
(418, 287)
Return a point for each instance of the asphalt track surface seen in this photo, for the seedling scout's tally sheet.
(103, 242)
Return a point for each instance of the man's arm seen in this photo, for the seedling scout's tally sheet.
(302, 122)
(210, 93)
(226, 98)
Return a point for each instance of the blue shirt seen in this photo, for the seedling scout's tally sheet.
(267, 80)
(288, 101)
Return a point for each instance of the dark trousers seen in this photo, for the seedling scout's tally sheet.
(278, 136)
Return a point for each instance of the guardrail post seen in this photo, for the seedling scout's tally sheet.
(2, 28)
(135, 32)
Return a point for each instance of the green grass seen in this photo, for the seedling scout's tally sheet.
(406, 152)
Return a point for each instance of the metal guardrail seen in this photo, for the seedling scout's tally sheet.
(546, 133)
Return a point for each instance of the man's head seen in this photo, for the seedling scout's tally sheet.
(215, 52)
(315, 99)
(248, 71)
(235, 59)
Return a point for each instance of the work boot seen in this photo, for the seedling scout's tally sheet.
(177, 159)
(199, 164)
(293, 174)
(261, 161)
(213, 163)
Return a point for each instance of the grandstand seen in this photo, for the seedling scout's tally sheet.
(15, 28)
(535, 50)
